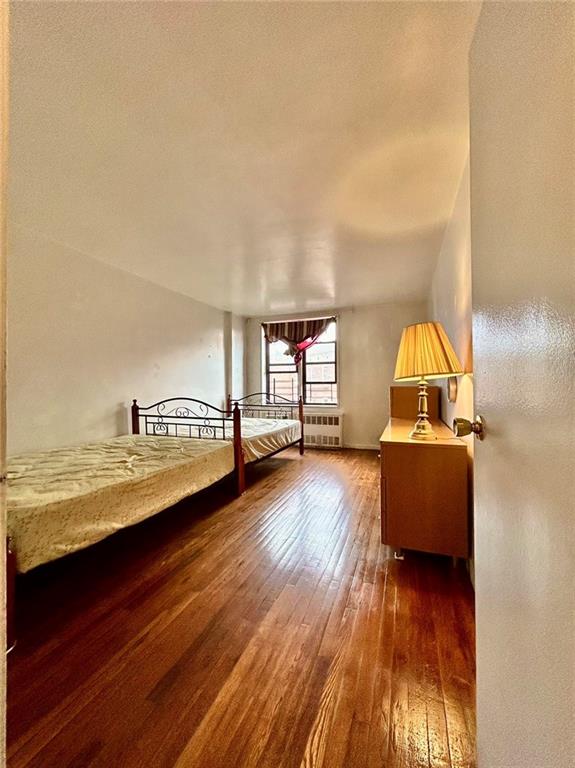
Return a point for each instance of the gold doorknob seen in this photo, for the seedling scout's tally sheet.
(463, 427)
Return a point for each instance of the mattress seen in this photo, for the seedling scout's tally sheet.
(65, 499)
(260, 437)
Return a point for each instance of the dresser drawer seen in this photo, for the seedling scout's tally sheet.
(424, 504)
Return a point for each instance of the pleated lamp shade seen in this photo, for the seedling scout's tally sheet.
(426, 352)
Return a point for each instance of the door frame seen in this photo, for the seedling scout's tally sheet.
(4, 97)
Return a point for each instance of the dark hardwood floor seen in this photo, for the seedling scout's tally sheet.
(273, 630)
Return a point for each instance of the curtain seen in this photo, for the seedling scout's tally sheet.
(297, 334)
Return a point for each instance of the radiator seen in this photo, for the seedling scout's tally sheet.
(323, 429)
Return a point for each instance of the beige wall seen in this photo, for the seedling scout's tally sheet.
(234, 353)
(238, 356)
(84, 338)
(450, 302)
(522, 120)
(368, 342)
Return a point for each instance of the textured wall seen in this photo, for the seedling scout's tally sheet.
(523, 245)
(85, 338)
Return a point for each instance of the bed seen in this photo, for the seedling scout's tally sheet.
(65, 499)
(258, 425)
(266, 436)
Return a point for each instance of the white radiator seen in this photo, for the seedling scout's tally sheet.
(323, 429)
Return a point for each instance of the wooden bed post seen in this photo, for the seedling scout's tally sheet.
(135, 418)
(229, 405)
(300, 410)
(240, 469)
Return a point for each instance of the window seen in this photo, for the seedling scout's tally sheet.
(282, 374)
(316, 378)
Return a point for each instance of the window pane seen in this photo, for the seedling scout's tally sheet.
(277, 353)
(284, 384)
(325, 394)
(283, 369)
(321, 353)
(330, 332)
(320, 372)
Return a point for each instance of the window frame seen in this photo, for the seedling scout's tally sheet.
(305, 382)
(301, 372)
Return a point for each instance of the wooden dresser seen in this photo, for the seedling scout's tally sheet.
(424, 497)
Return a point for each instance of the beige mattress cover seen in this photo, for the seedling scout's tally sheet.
(65, 499)
(260, 437)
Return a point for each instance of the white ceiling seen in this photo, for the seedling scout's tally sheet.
(261, 157)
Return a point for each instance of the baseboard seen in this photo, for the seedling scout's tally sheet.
(362, 446)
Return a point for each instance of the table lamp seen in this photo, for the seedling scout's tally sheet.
(425, 352)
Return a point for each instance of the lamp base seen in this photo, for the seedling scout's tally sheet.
(422, 429)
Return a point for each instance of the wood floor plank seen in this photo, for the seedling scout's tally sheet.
(271, 631)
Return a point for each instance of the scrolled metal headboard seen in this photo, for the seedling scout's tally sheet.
(266, 405)
(182, 417)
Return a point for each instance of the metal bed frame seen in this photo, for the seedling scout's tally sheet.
(190, 418)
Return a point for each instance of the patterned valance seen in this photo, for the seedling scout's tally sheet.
(297, 334)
